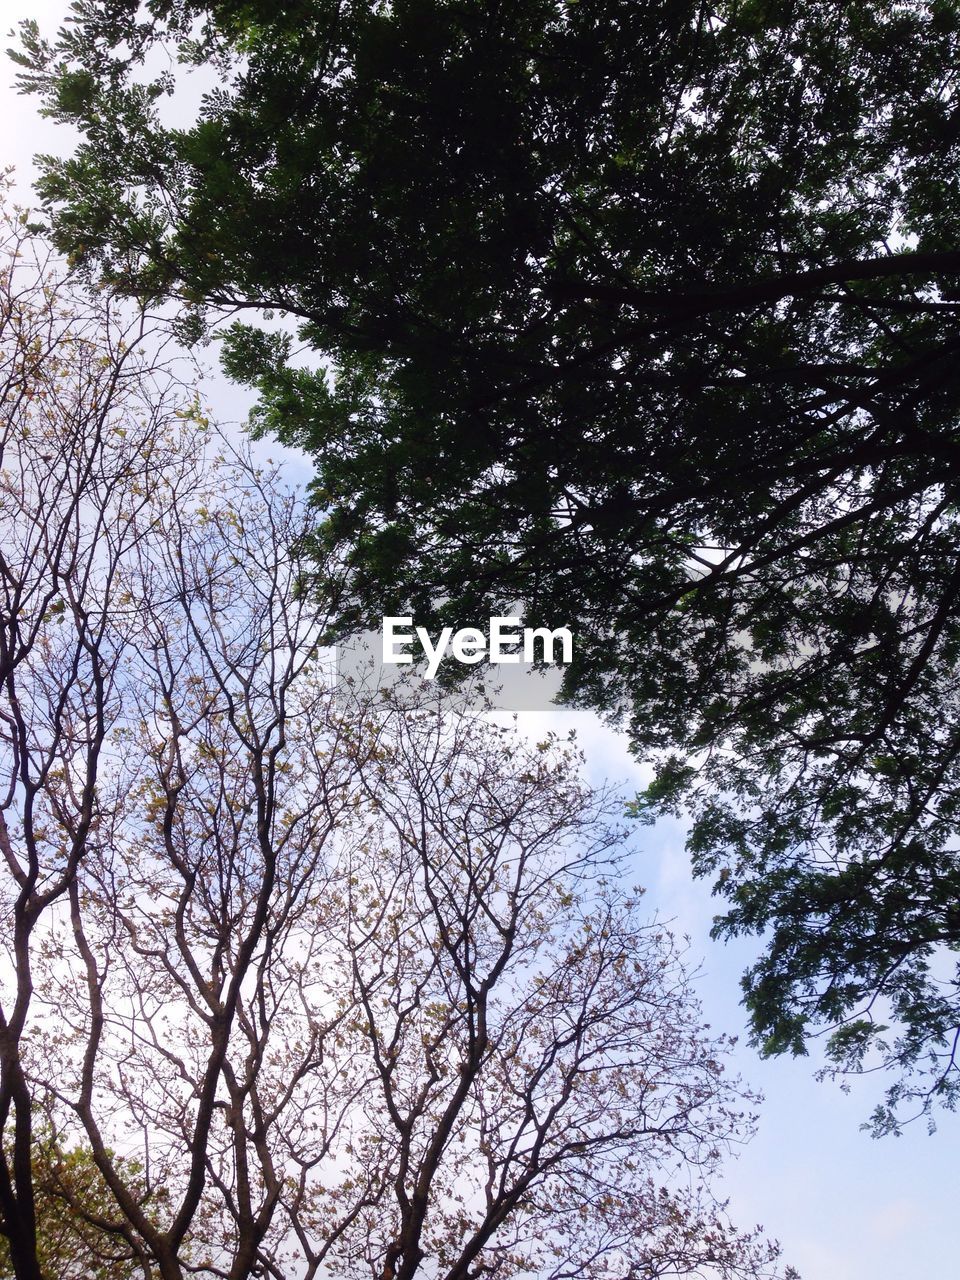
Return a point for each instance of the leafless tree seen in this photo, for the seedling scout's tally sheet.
(84, 448)
(319, 983)
(520, 1073)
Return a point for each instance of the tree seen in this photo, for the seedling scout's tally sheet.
(84, 440)
(302, 980)
(643, 316)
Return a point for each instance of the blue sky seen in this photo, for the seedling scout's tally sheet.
(845, 1206)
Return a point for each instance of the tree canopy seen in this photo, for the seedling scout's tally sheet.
(295, 979)
(645, 316)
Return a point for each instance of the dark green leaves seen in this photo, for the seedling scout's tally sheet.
(646, 316)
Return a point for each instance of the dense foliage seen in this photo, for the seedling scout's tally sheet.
(645, 315)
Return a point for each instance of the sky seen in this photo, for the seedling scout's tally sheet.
(845, 1206)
